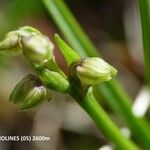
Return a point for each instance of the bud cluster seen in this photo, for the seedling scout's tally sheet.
(11, 44)
(38, 50)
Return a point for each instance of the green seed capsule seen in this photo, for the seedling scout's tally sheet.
(37, 49)
(29, 92)
(94, 70)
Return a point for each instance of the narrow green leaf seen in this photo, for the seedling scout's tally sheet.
(144, 6)
(113, 92)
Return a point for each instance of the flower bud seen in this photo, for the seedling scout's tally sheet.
(37, 49)
(10, 44)
(29, 92)
(94, 70)
(28, 31)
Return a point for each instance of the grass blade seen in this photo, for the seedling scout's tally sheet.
(112, 91)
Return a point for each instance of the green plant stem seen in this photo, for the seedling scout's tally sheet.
(104, 123)
(144, 6)
(139, 127)
(115, 95)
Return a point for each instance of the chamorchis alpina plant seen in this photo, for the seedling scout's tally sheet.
(38, 50)
(83, 74)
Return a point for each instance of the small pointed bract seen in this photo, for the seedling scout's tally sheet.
(69, 54)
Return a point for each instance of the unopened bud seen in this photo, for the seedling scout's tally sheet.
(94, 70)
(10, 45)
(29, 92)
(28, 31)
(37, 49)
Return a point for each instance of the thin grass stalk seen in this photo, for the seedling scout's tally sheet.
(112, 91)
